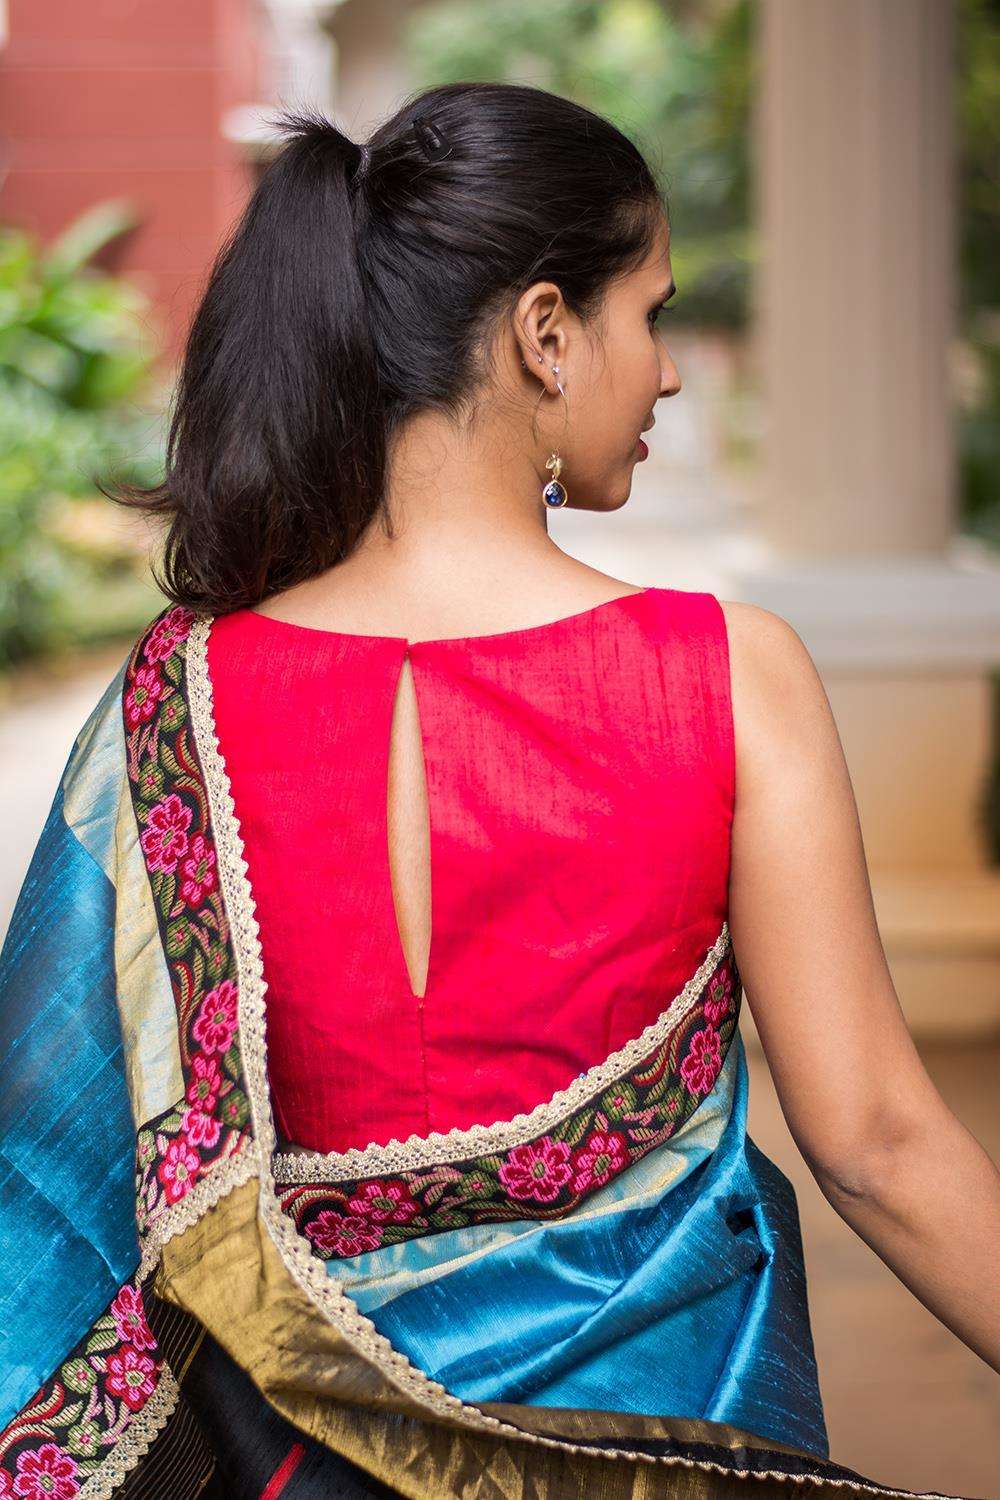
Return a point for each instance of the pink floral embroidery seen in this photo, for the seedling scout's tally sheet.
(343, 1235)
(384, 1202)
(178, 1169)
(46, 1473)
(198, 1122)
(198, 871)
(206, 1081)
(164, 839)
(537, 1169)
(701, 1066)
(602, 1156)
(130, 1319)
(54, 1447)
(143, 695)
(631, 1116)
(167, 634)
(131, 1376)
(200, 1129)
(216, 1021)
(173, 815)
(719, 997)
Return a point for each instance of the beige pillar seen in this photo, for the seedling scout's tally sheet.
(856, 288)
(856, 505)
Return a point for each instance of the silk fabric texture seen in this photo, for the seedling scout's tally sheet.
(168, 1329)
(580, 782)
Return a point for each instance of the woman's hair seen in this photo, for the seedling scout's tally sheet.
(337, 308)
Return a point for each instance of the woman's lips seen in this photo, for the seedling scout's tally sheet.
(643, 450)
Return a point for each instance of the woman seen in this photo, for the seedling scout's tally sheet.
(452, 1197)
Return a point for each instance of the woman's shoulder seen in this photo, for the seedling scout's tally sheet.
(752, 622)
(782, 717)
(770, 664)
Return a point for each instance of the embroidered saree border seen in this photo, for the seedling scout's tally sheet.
(87, 1426)
(206, 1189)
(544, 1163)
(172, 812)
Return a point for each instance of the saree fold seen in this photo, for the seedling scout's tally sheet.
(604, 1296)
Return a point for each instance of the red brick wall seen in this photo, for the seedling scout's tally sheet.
(125, 99)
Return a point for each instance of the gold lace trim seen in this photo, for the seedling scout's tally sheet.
(135, 1441)
(325, 1291)
(487, 1140)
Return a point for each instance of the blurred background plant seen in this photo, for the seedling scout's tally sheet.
(979, 271)
(79, 400)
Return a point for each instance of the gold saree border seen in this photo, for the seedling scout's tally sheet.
(228, 1183)
(143, 989)
(232, 1278)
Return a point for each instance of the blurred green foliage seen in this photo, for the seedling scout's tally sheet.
(678, 79)
(76, 355)
(979, 279)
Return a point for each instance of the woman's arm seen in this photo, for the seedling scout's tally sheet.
(887, 1152)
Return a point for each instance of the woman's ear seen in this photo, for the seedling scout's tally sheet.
(539, 328)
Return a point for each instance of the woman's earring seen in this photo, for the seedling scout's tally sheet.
(554, 493)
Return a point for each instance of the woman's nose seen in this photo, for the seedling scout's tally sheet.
(670, 380)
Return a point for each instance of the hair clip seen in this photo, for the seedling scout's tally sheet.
(363, 162)
(432, 142)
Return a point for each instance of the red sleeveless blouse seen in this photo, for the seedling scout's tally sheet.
(580, 782)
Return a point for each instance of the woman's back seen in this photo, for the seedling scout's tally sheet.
(520, 1229)
(579, 802)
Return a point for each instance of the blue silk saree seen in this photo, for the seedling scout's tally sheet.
(192, 1307)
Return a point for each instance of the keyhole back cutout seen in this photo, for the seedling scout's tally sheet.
(408, 832)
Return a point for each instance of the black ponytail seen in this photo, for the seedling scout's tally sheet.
(359, 288)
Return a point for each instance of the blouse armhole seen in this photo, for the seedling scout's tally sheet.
(720, 700)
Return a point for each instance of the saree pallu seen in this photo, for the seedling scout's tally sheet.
(605, 1296)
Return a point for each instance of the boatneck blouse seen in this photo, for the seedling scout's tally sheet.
(580, 783)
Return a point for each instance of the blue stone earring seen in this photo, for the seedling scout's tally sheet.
(554, 493)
